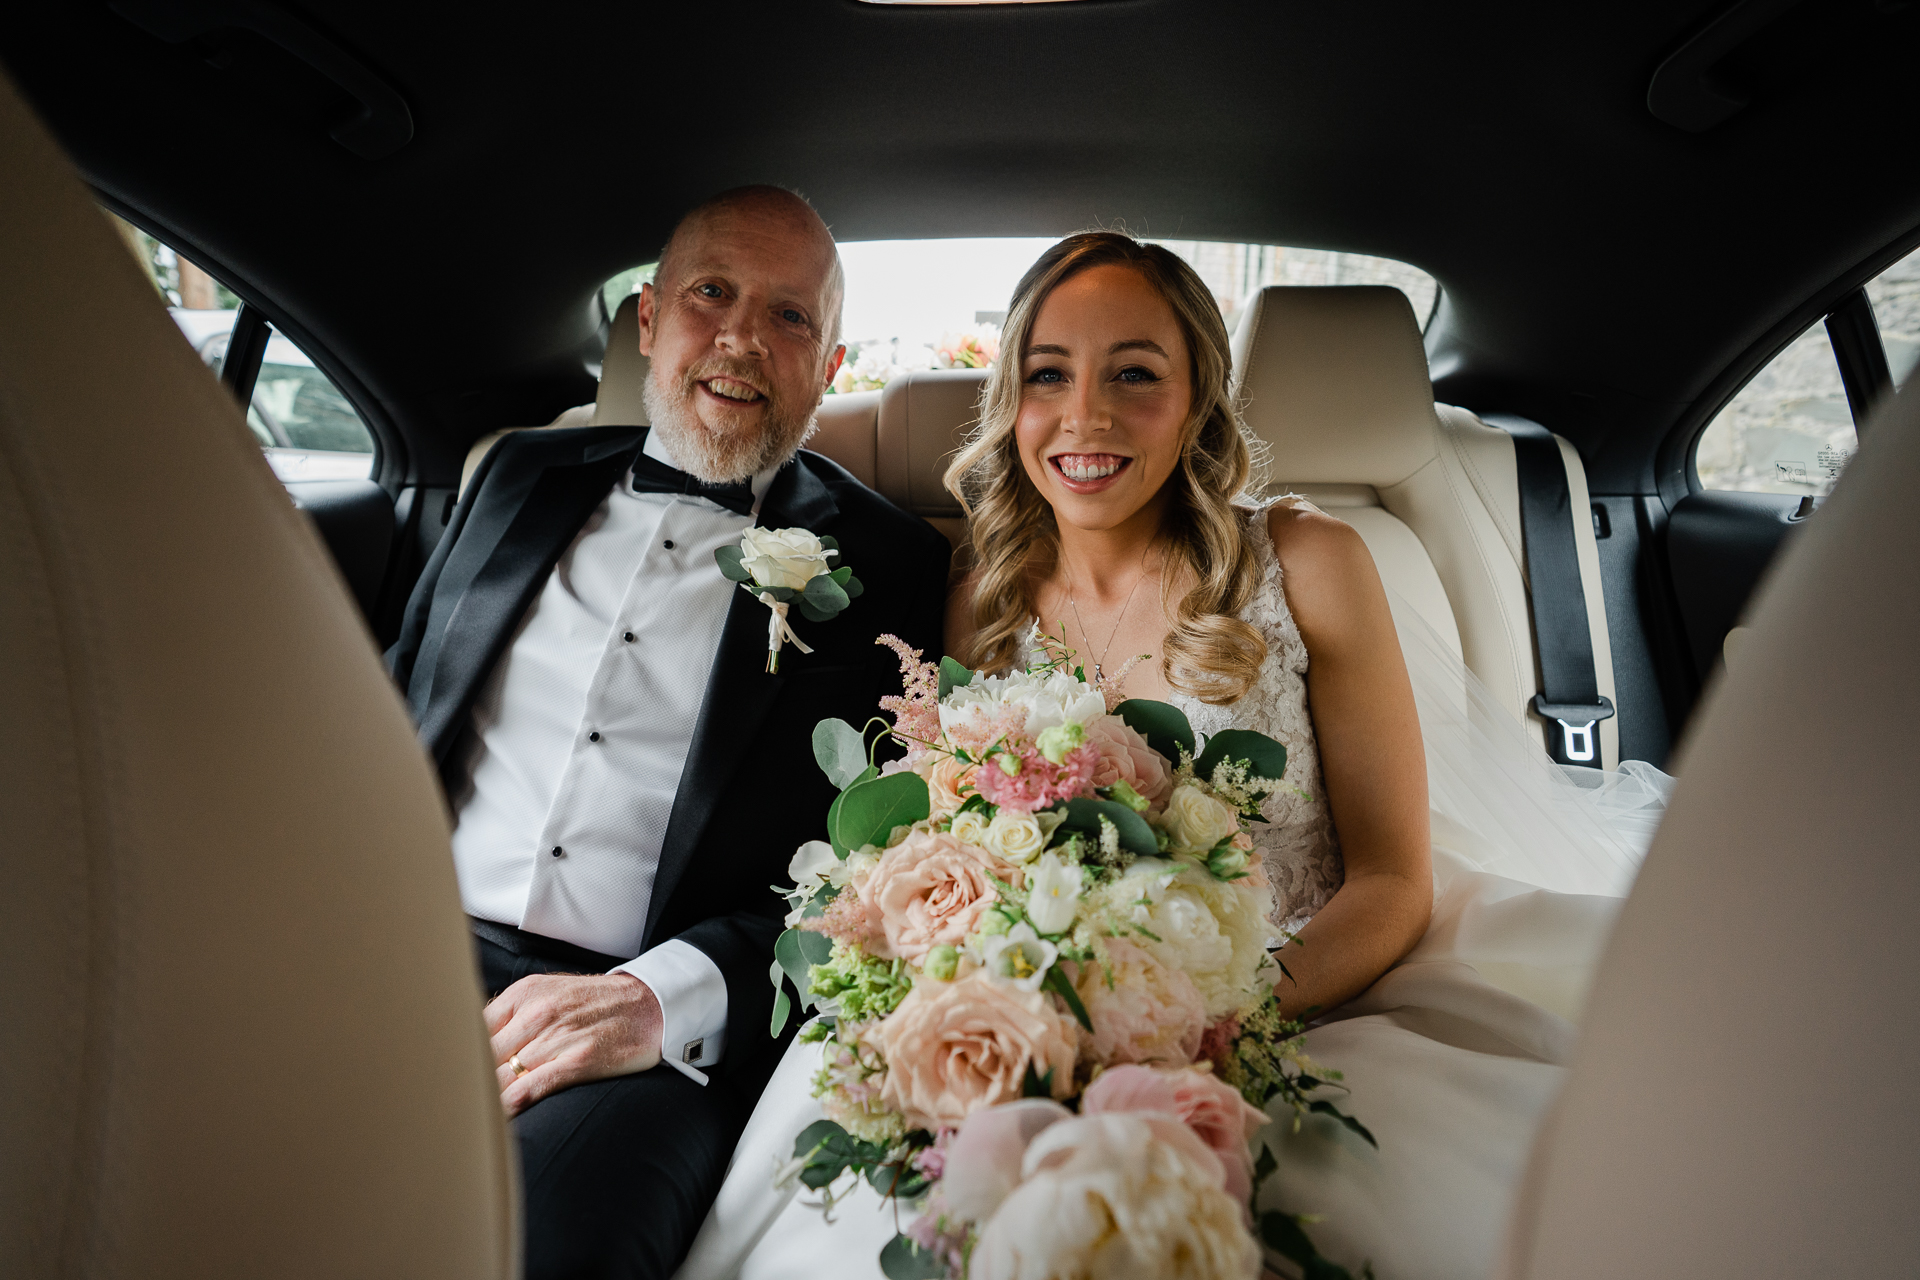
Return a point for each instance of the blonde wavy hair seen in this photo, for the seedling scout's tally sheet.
(1210, 653)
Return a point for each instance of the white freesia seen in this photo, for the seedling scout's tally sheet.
(1019, 956)
(1197, 821)
(783, 557)
(1053, 893)
(1050, 699)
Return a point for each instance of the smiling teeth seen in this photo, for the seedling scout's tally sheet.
(1087, 469)
(732, 390)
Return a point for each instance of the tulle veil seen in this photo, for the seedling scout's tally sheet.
(1501, 803)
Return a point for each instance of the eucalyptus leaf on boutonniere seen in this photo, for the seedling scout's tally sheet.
(784, 567)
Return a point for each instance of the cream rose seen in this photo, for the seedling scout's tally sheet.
(1120, 1195)
(953, 1048)
(928, 890)
(971, 827)
(1015, 836)
(1146, 1013)
(783, 557)
(1196, 820)
(1126, 757)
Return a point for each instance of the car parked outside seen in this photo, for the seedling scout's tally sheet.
(305, 426)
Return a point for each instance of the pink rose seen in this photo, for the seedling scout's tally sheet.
(947, 778)
(1126, 757)
(1209, 1106)
(1147, 1013)
(952, 1048)
(930, 889)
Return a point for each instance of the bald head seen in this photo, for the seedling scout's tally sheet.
(761, 210)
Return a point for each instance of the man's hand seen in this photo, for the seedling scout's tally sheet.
(569, 1029)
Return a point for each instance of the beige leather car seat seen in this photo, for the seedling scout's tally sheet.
(1741, 1103)
(844, 431)
(241, 1022)
(1334, 380)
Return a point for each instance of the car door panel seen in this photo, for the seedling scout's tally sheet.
(355, 519)
(1719, 543)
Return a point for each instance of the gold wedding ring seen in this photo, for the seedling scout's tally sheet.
(519, 1068)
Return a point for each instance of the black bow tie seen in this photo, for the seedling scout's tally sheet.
(653, 476)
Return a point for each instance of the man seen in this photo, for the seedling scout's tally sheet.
(627, 777)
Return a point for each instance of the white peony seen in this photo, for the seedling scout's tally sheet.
(1053, 893)
(813, 864)
(1214, 931)
(1116, 1194)
(783, 557)
(1197, 821)
(1051, 699)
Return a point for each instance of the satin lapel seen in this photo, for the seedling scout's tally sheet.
(483, 620)
(739, 693)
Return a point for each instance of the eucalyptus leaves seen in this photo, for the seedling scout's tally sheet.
(782, 567)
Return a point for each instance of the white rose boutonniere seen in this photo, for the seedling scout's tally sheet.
(784, 566)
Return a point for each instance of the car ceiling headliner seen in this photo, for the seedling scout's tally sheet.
(1600, 266)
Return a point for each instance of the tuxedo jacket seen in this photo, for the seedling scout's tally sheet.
(750, 793)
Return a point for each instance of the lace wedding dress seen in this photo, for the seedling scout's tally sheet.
(1452, 1056)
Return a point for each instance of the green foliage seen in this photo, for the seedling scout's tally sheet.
(823, 599)
(953, 676)
(1321, 1106)
(1286, 1237)
(1035, 1085)
(840, 750)
(865, 986)
(1264, 757)
(833, 811)
(782, 1002)
(728, 558)
(1056, 982)
(830, 1151)
(795, 953)
(867, 812)
(902, 1259)
(1084, 815)
(1162, 724)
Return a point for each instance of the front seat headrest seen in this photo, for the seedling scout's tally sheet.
(1334, 380)
(623, 371)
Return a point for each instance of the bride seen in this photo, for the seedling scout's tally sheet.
(1108, 492)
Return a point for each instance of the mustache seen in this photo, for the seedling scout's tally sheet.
(726, 367)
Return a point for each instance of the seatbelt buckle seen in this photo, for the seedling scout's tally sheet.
(1578, 743)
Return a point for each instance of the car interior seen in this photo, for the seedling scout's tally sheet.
(219, 818)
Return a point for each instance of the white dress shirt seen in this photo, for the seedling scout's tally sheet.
(580, 737)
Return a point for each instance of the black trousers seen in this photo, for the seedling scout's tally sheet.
(617, 1175)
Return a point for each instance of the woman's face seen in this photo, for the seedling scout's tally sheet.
(1106, 386)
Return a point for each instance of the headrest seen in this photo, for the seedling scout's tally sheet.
(924, 419)
(1334, 379)
(623, 372)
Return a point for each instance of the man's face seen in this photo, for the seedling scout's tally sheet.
(738, 339)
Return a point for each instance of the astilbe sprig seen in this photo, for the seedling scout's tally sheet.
(916, 712)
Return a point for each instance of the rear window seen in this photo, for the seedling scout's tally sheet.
(939, 304)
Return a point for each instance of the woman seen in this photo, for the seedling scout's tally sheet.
(1106, 492)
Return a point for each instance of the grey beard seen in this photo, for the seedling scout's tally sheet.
(722, 459)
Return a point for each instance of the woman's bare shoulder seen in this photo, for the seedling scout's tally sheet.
(1328, 573)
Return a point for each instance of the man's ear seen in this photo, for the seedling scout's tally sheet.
(833, 361)
(649, 305)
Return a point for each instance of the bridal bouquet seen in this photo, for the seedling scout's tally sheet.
(1040, 954)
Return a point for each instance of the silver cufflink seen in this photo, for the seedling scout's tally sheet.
(691, 1054)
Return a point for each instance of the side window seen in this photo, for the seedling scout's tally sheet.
(1895, 294)
(1788, 431)
(307, 427)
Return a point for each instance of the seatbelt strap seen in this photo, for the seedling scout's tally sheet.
(1570, 699)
